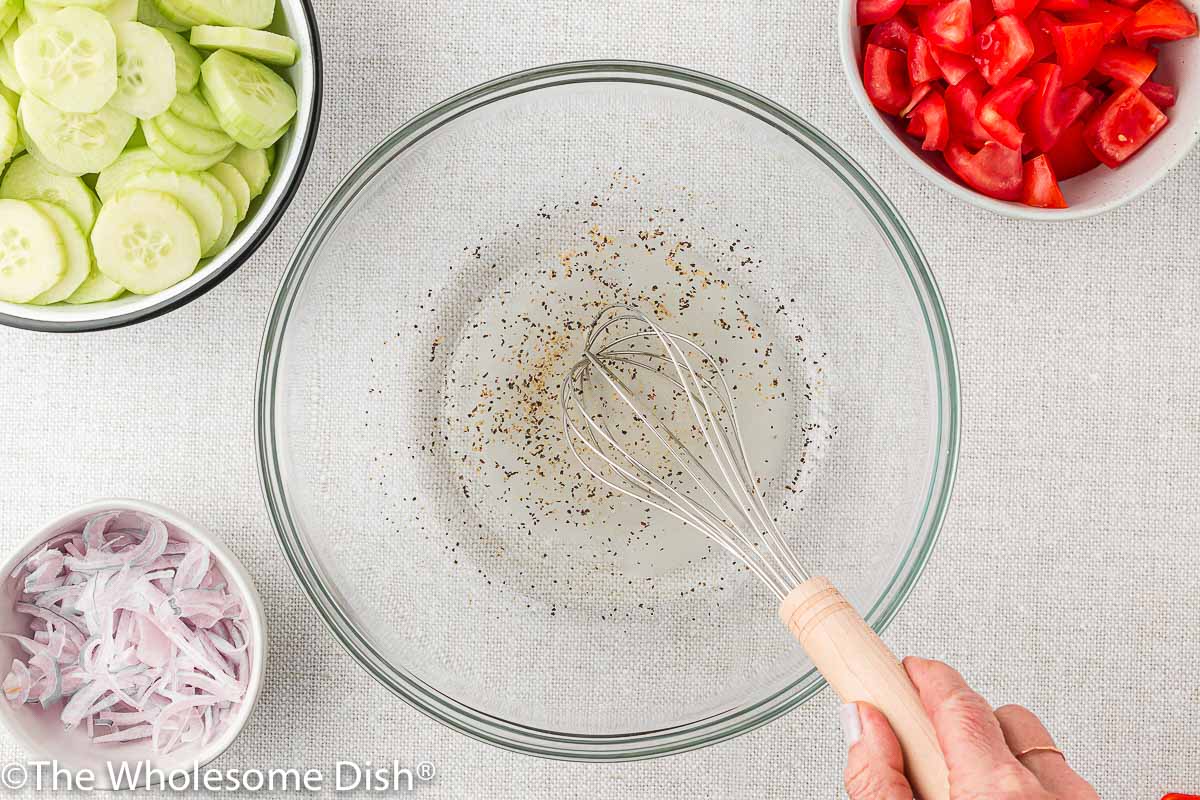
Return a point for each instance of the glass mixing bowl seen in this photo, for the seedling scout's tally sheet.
(408, 430)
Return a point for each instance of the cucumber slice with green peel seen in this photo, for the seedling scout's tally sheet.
(137, 161)
(32, 255)
(9, 96)
(9, 11)
(187, 61)
(242, 13)
(173, 156)
(8, 73)
(148, 14)
(237, 186)
(97, 288)
(190, 138)
(70, 143)
(70, 60)
(145, 70)
(256, 142)
(229, 217)
(194, 194)
(270, 48)
(146, 241)
(28, 179)
(78, 251)
(192, 109)
(248, 98)
(9, 133)
(173, 13)
(271, 152)
(254, 167)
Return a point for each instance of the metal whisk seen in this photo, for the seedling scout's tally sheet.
(648, 413)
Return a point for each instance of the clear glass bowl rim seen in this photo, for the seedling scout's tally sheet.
(650, 743)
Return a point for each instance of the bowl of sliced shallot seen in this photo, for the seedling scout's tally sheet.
(131, 641)
(1036, 109)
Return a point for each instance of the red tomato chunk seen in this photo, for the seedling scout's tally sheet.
(1018, 95)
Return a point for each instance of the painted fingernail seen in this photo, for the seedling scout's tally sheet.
(851, 723)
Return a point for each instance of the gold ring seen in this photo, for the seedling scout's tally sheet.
(1046, 748)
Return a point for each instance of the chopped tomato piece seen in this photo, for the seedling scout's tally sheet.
(954, 66)
(1122, 126)
(1065, 5)
(1078, 45)
(930, 120)
(1098, 95)
(949, 25)
(1112, 17)
(885, 77)
(1070, 155)
(1160, 94)
(1004, 48)
(1000, 108)
(981, 13)
(1128, 3)
(1052, 108)
(994, 170)
(962, 105)
(1040, 188)
(922, 67)
(918, 94)
(1041, 30)
(1020, 8)
(1160, 19)
(894, 34)
(872, 11)
(1125, 64)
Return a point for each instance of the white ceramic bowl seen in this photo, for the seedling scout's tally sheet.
(1094, 192)
(41, 733)
(294, 18)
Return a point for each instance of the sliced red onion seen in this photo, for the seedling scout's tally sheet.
(134, 630)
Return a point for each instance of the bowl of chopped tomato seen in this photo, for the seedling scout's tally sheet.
(1039, 109)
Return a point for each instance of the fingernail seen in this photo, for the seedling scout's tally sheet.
(851, 723)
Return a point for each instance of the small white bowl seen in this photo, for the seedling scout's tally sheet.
(294, 18)
(41, 732)
(1092, 193)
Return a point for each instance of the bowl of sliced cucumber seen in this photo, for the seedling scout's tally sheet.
(147, 149)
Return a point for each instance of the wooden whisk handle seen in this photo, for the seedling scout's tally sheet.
(861, 668)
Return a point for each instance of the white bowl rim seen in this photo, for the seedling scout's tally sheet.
(245, 244)
(847, 27)
(234, 570)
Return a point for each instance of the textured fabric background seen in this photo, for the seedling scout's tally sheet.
(1066, 578)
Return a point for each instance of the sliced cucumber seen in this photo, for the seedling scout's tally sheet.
(133, 162)
(9, 11)
(171, 10)
(9, 95)
(145, 70)
(9, 133)
(121, 11)
(250, 100)
(254, 168)
(236, 184)
(271, 153)
(96, 4)
(79, 255)
(28, 179)
(194, 194)
(97, 288)
(192, 109)
(32, 254)
(70, 61)
(173, 156)
(229, 217)
(270, 48)
(74, 144)
(40, 12)
(187, 61)
(245, 13)
(146, 241)
(191, 138)
(8, 73)
(148, 14)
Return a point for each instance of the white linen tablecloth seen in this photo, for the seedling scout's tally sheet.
(1067, 575)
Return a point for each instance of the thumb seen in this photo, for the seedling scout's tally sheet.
(875, 766)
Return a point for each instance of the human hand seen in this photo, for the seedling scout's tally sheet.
(1002, 755)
